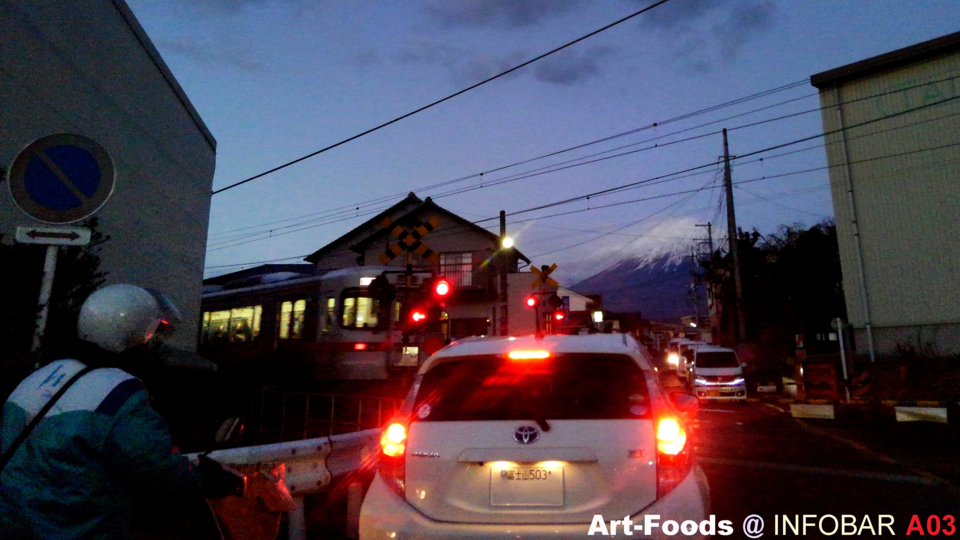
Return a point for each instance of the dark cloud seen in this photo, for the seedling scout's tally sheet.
(466, 67)
(499, 13)
(678, 12)
(743, 23)
(571, 67)
(209, 56)
(231, 7)
(704, 32)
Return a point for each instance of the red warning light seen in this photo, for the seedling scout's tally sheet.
(558, 316)
(532, 301)
(441, 287)
(418, 316)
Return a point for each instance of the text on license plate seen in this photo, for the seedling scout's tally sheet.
(526, 486)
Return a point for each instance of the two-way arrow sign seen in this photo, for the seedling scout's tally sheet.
(54, 236)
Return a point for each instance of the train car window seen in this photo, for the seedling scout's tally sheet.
(232, 325)
(245, 323)
(359, 310)
(331, 313)
(291, 319)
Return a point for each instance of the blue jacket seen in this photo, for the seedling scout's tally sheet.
(97, 450)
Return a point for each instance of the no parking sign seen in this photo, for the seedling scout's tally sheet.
(61, 178)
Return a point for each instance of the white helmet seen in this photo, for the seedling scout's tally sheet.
(118, 317)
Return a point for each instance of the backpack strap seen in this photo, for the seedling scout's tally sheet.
(36, 419)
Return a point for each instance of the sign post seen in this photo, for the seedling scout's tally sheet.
(58, 179)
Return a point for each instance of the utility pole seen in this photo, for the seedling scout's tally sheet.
(732, 238)
(504, 300)
(709, 227)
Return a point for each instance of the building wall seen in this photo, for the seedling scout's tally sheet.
(906, 196)
(88, 68)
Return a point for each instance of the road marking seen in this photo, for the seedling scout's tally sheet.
(774, 407)
(927, 480)
(876, 455)
(717, 410)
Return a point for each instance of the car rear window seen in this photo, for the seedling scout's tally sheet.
(571, 386)
(717, 360)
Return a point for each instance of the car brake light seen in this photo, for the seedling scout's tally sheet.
(393, 446)
(393, 440)
(528, 355)
(671, 437)
(673, 456)
(359, 346)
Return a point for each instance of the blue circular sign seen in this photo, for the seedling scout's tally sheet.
(61, 178)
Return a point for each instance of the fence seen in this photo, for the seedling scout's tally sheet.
(288, 416)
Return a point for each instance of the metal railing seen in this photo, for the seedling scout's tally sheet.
(459, 274)
(289, 416)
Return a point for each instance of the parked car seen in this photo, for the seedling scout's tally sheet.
(686, 349)
(717, 374)
(503, 437)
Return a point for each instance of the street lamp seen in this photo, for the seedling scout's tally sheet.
(507, 242)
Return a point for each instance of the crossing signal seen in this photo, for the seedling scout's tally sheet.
(559, 315)
(438, 289)
(381, 289)
(532, 301)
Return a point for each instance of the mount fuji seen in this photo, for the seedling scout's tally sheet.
(658, 286)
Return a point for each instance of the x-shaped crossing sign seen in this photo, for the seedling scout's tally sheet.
(410, 240)
(543, 276)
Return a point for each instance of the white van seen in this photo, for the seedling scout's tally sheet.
(686, 352)
(717, 374)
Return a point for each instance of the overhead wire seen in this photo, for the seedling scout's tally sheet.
(439, 101)
(356, 206)
(676, 174)
(350, 208)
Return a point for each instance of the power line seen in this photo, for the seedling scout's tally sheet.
(663, 177)
(643, 183)
(756, 152)
(357, 206)
(351, 208)
(451, 96)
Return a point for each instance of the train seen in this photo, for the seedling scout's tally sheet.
(330, 326)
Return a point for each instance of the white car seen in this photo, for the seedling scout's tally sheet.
(685, 361)
(718, 375)
(524, 437)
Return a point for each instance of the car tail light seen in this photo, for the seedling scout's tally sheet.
(528, 355)
(673, 455)
(359, 346)
(393, 449)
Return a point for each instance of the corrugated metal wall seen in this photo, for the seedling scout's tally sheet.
(905, 177)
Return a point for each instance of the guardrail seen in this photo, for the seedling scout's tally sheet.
(311, 465)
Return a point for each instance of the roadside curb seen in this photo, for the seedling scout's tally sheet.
(943, 412)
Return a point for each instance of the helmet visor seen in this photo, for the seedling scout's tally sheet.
(167, 321)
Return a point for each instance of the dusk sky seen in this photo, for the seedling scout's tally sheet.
(275, 80)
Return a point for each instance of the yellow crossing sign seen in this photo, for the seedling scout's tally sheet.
(543, 276)
(410, 240)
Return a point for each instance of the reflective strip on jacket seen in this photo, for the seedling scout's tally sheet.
(99, 448)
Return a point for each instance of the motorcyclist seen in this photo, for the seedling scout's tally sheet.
(100, 447)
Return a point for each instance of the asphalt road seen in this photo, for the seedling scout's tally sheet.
(761, 461)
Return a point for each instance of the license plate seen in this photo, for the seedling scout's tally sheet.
(526, 486)
(721, 392)
(767, 388)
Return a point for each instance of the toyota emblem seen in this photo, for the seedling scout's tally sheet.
(526, 435)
